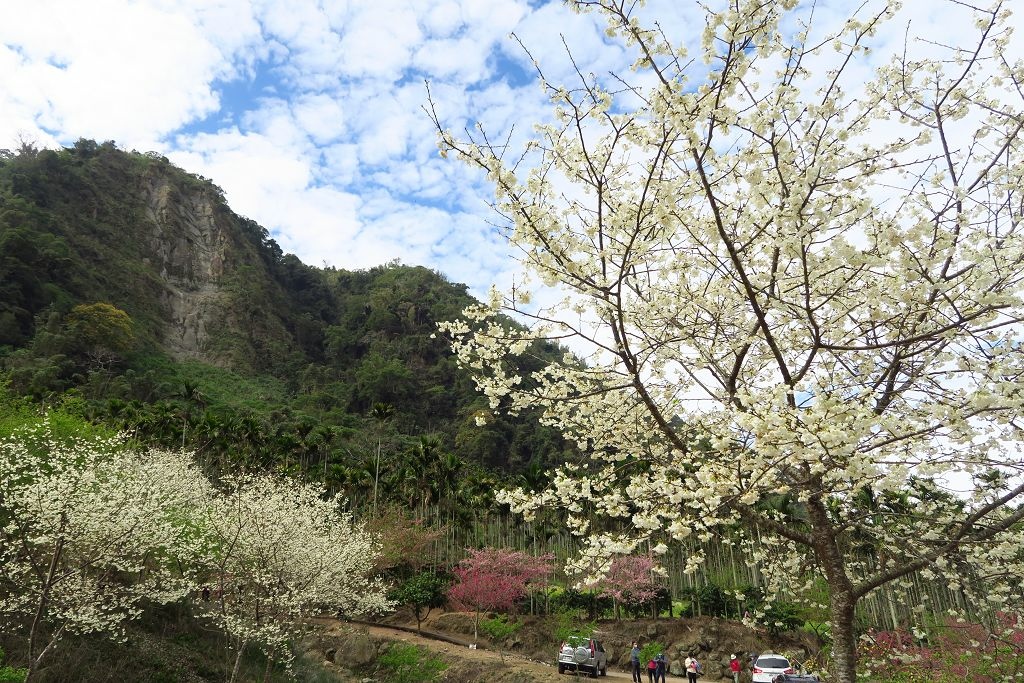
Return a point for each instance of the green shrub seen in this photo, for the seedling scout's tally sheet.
(410, 664)
(568, 625)
(712, 599)
(420, 593)
(571, 599)
(499, 630)
(8, 674)
(649, 651)
(781, 617)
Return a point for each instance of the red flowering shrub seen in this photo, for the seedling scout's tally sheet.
(961, 652)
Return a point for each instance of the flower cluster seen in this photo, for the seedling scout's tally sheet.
(279, 552)
(789, 279)
(496, 579)
(93, 529)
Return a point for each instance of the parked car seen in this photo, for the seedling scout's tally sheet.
(797, 678)
(768, 667)
(582, 654)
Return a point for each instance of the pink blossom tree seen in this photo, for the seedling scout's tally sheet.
(494, 579)
(629, 580)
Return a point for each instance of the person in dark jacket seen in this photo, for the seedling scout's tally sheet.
(662, 666)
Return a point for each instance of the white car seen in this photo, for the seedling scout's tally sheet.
(768, 666)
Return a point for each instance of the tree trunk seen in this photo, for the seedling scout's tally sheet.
(841, 596)
(238, 661)
(844, 640)
(37, 619)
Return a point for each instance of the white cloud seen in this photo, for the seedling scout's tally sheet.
(443, 18)
(274, 184)
(106, 69)
(320, 116)
(332, 152)
(379, 40)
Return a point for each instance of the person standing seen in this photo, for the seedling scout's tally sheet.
(734, 667)
(662, 665)
(692, 667)
(634, 659)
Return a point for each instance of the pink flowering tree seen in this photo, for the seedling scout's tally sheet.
(494, 579)
(630, 580)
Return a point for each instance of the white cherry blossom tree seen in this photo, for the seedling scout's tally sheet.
(89, 531)
(787, 272)
(92, 530)
(280, 553)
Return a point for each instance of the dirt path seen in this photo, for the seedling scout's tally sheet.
(539, 671)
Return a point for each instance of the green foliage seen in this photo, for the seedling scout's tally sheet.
(421, 592)
(710, 599)
(499, 629)
(821, 630)
(780, 617)
(259, 394)
(650, 650)
(17, 413)
(567, 625)
(101, 325)
(293, 344)
(409, 664)
(573, 600)
(9, 674)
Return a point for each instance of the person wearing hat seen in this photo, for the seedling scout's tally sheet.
(734, 667)
(661, 664)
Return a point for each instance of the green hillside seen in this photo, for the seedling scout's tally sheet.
(131, 292)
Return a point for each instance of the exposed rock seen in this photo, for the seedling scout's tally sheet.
(355, 649)
(189, 250)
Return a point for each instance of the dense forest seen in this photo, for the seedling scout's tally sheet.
(130, 290)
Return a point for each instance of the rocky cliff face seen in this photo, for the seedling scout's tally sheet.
(192, 243)
(132, 230)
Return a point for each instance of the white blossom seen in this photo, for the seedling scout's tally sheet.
(788, 275)
(278, 553)
(92, 530)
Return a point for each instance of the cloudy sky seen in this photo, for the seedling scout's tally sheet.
(308, 113)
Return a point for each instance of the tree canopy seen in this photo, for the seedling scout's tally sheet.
(789, 273)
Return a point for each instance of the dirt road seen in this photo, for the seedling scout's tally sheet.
(539, 671)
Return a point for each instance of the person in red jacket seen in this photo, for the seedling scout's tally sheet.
(734, 666)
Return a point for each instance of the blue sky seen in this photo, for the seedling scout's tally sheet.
(308, 113)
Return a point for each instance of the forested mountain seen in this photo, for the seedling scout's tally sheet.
(129, 289)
